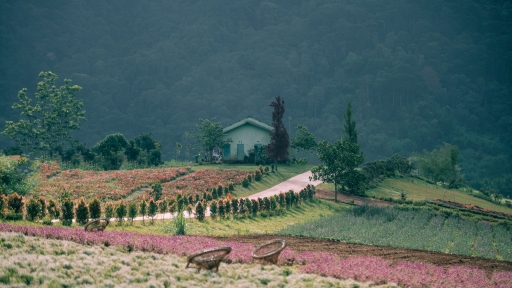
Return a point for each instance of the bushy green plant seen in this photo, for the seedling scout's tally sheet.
(81, 212)
(15, 203)
(213, 209)
(254, 207)
(95, 208)
(234, 206)
(245, 183)
(109, 210)
(53, 209)
(143, 208)
(121, 212)
(179, 224)
(226, 190)
(214, 193)
(227, 205)
(132, 211)
(162, 206)
(42, 202)
(152, 209)
(67, 211)
(200, 211)
(222, 208)
(231, 187)
(33, 208)
(257, 175)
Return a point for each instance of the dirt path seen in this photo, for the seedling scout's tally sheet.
(296, 184)
(302, 244)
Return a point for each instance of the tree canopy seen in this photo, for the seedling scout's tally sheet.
(47, 123)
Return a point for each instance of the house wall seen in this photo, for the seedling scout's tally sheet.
(249, 135)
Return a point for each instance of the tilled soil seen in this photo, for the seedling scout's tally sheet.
(302, 244)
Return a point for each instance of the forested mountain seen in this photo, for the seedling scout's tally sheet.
(418, 73)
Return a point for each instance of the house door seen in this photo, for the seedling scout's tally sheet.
(227, 151)
(240, 152)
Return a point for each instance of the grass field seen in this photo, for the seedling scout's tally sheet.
(420, 190)
(413, 229)
(307, 211)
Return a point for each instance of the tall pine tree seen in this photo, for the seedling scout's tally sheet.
(279, 140)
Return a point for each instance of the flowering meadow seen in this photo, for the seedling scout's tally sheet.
(33, 261)
(201, 180)
(412, 229)
(116, 185)
(361, 268)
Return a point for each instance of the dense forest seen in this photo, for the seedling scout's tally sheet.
(418, 73)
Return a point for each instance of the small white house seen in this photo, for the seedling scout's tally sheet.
(245, 135)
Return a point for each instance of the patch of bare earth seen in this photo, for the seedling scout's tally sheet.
(302, 244)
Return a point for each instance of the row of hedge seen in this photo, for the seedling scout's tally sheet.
(15, 207)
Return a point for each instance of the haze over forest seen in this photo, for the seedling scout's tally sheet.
(418, 73)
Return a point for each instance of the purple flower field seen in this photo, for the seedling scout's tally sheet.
(361, 268)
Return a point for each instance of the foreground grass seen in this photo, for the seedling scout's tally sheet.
(419, 190)
(52, 263)
(307, 211)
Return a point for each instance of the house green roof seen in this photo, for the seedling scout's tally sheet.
(248, 120)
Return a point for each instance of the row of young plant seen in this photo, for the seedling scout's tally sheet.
(412, 228)
(34, 209)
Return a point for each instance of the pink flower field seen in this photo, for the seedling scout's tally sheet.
(361, 268)
(106, 185)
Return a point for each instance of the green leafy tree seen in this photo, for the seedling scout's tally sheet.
(152, 209)
(121, 212)
(132, 211)
(441, 165)
(109, 149)
(143, 208)
(304, 141)
(42, 202)
(213, 209)
(279, 141)
(210, 136)
(12, 177)
(53, 209)
(49, 121)
(340, 160)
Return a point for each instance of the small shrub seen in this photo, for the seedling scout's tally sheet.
(199, 211)
(226, 190)
(213, 209)
(109, 210)
(42, 202)
(82, 212)
(156, 191)
(11, 216)
(33, 208)
(179, 224)
(15, 202)
(255, 206)
(222, 209)
(257, 175)
(214, 193)
(152, 209)
(121, 212)
(231, 187)
(95, 208)
(67, 212)
(245, 183)
(47, 220)
(132, 211)
(53, 209)
(143, 208)
(227, 204)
